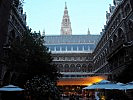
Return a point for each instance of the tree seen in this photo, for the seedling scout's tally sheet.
(29, 57)
(41, 87)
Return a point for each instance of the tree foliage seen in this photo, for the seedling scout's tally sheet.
(29, 57)
(41, 87)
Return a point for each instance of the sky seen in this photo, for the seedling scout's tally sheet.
(47, 15)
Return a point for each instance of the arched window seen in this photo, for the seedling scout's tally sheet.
(84, 68)
(78, 67)
(120, 34)
(110, 43)
(17, 39)
(127, 9)
(66, 20)
(72, 67)
(105, 51)
(12, 34)
(114, 38)
(60, 67)
(90, 67)
(130, 24)
(66, 68)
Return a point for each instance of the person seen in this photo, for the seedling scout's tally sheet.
(96, 96)
(88, 95)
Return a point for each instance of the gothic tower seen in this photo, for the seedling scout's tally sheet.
(66, 24)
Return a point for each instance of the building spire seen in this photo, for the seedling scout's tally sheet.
(66, 24)
(88, 31)
(65, 5)
(43, 33)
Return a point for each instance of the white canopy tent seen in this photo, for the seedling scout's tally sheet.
(105, 84)
(129, 86)
(11, 88)
(99, 85)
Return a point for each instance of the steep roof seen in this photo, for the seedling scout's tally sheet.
(66, 39)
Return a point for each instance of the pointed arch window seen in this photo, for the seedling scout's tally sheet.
(66, 68)
(130, 24)
(120, 34)
(60, 67)
(110, 43)
(84, 67)
(78, 67)
(114, 38)
(127, 9)
(72, 66)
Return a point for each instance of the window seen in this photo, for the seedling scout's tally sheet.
(63, 48)
(68, 48)
(74, 48)
(120, 33)
(66, 20)
(78, 66)
(57, 48)
(72, 66)
(60, 68)
(84, 67)
(12, 34)
(80, 48)
(86, 47)
(127, 9)
(115, 38)
(110, 43)
(57, 58)
(66, 68)
(130, 24)
(119, 17)
(51, 48)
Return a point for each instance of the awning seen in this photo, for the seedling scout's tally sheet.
(80, 81)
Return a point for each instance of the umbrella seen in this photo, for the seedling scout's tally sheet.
(129, 85)
(89, 87)
(105, 84)
(99, 85)
(11, 88)
(116, 86)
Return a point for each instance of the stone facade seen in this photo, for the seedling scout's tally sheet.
(14, 25)
(4, 16)
(76, 55)
(113, 52)
(72, 53)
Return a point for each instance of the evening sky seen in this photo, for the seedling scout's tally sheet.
(47, 15)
